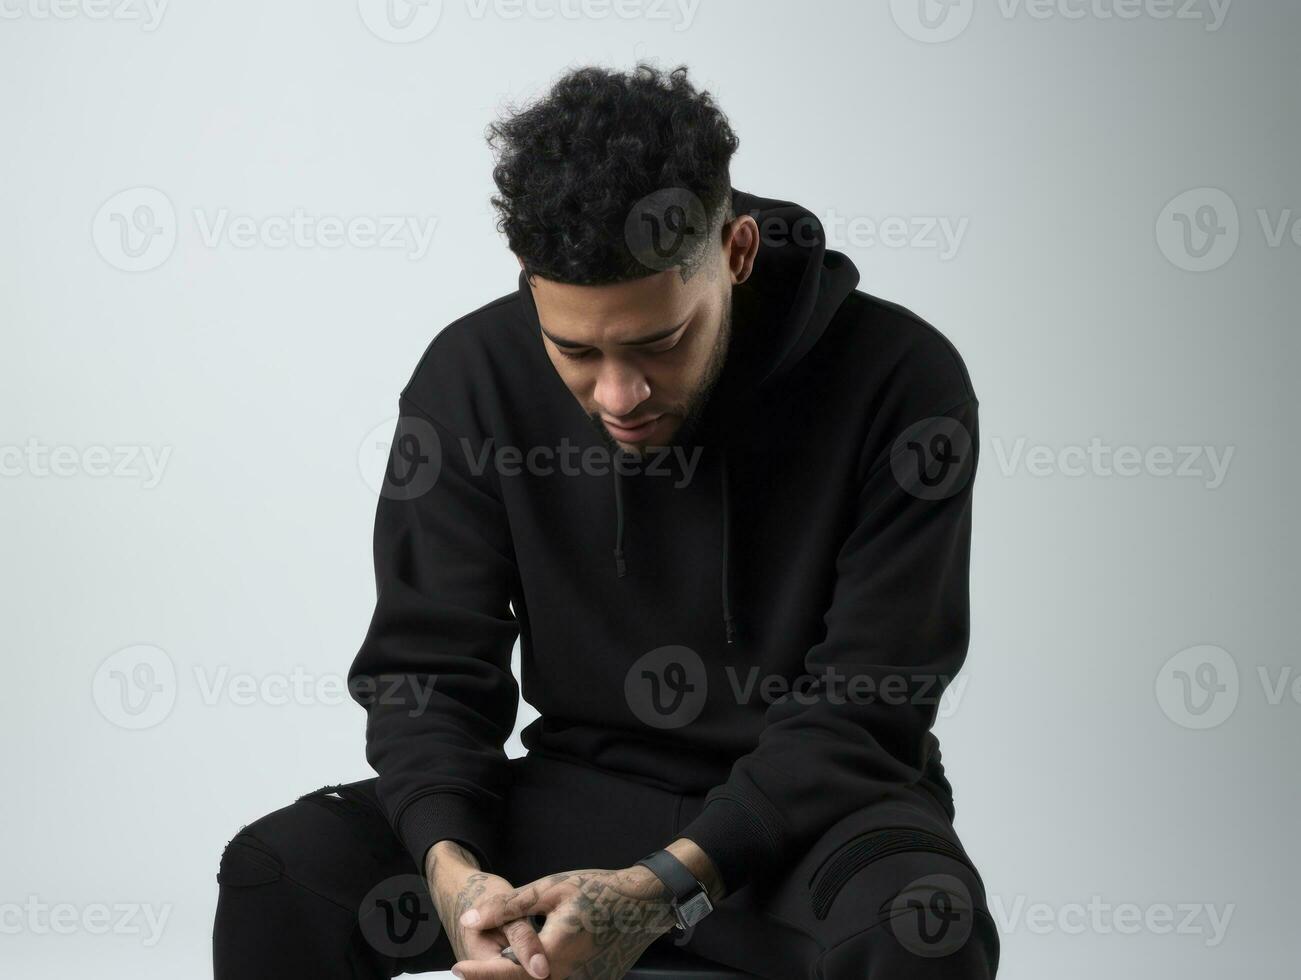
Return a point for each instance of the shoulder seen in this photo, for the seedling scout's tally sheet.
(899, 356)
(459, 376)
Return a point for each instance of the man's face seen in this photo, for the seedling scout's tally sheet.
(639, 356)
(642, 357)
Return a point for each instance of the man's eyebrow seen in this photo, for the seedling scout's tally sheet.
(639, 342)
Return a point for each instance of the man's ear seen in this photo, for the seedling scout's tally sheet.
(741, 245)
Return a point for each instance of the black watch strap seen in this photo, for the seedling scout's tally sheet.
(690, 901)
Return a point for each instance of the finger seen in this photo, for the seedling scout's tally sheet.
(527, 947)
(498, 968)
(495, 910)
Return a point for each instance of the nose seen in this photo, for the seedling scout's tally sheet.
(620, 388)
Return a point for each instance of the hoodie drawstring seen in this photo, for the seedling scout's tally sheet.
(729, 625)
(621, 564)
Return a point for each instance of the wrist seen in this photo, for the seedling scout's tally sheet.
(699, 864)
(688, 896)
(645, 884)
(656, 912)
(447, 857)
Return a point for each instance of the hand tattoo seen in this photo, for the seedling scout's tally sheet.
(451, 902)
(621, 921)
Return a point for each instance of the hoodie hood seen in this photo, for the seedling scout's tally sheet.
(797, 284)
(778, 315)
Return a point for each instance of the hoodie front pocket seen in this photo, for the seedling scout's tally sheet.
(868, 848)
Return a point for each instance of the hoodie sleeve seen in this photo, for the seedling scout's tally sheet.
(896, 633)
(433, 672)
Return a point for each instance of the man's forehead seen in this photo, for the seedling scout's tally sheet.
(614, 313)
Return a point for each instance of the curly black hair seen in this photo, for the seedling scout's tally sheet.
(571, 167)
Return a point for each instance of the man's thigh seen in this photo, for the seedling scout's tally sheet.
(887, 892)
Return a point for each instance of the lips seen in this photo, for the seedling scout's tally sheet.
(631, 433)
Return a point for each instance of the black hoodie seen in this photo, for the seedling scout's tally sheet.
(809, 538)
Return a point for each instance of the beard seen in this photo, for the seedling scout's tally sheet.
(692, 409)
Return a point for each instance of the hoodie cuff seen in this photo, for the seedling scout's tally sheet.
(445, 816)
(741, 845)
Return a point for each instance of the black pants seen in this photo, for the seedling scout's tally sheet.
(323, 888)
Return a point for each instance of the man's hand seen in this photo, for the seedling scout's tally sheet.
(598, 921)
(457, 884)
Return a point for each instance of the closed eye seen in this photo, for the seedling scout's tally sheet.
(578, 354)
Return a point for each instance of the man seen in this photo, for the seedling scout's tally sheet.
(724, 500)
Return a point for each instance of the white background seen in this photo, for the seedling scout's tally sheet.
(1054, 141)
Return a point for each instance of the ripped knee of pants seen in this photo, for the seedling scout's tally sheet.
(247, 861)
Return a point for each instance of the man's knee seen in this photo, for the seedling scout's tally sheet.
(268, 924)
(290, 886)
(332, 843)
(255, 855)
(247, 861)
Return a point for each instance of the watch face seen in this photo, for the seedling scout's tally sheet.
(692, 910)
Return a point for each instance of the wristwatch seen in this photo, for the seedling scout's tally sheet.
(690, 902)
